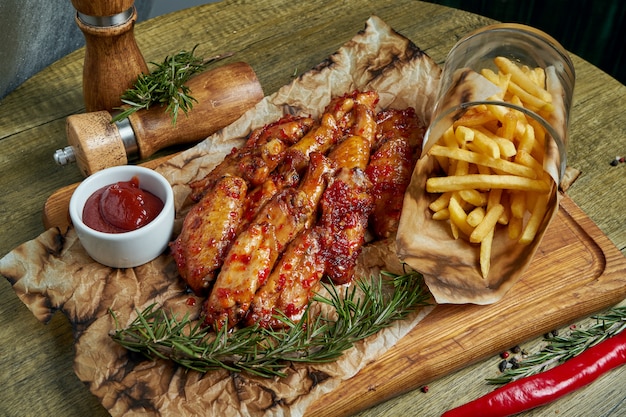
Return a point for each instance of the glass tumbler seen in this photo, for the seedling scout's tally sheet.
(463, 85)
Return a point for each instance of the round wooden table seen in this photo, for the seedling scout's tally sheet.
(279, 39)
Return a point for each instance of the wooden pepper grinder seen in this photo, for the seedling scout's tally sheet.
(112, 58)
(223, 94)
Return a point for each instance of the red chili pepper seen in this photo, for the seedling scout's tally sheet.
(540, 389)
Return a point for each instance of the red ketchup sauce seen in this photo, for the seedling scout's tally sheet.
(121, 207)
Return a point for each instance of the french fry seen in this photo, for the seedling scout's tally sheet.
(473, 197)
(497, 196)
(443, 214)
(485, 160)
(441, 202)
(501, 80)
(539, 211)
(540, 76)
(507, 147)
(524, 158)
(463, 135)
(509, 125)
(485, 144)
(485, 253)
(518, 204)
(487, 224)
(517, 75)
(471, 119)
(475, 216)
(527, 142)
(492, 158)
(530, 99)
(458, 216)
(515, 227)
(484, 182)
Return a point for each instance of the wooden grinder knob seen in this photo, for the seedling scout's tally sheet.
(112, 58)
(96, 143)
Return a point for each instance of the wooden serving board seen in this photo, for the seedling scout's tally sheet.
(576, 272)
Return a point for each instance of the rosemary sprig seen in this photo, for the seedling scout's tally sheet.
(165, 85)
(561, 348)
(267, 352)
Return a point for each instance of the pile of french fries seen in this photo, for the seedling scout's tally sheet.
(492, 159)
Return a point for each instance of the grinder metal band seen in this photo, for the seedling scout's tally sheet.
(128, 138)
(107, 21)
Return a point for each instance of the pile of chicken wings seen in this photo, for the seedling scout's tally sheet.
(294, 206)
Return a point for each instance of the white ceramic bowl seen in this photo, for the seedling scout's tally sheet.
(128, 249)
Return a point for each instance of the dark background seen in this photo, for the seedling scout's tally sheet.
(595, 30)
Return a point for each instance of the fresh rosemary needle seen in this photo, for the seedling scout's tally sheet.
(165, 85)
(559, 348)
(267, 352)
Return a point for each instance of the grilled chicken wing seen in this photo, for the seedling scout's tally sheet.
(403, 123)
(320, 139)
(261, 154)
(399, 141)
(291, 284)
(353, 151)
(246, 267)
(279, 221)
(346, 205)
(365, 120)
(207, 233)
(288, 128)
(347, 202)
(389, 171)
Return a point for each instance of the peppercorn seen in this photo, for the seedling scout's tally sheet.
(503, 365)
(553, 333)
(504, 354)
(425, 389)
(618, 160)
(516, 349)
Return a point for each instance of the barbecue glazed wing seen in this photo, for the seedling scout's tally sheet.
(207, 233)
(399, 142)
(347, 202)
(389, 171)
(255, 250)
(404, 123)
(346, 206)
(334, 122)
(365, 121)
(262, 152)
(291, 284)
(246, 267)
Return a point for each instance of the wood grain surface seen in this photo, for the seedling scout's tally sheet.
(280, 38)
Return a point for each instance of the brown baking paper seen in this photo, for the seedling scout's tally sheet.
(451, 266)
(53, 272)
